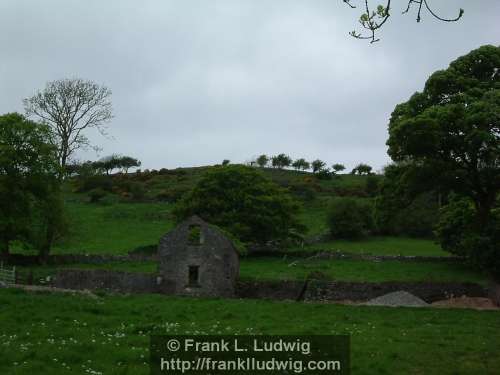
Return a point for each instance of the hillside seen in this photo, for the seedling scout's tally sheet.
(135, 210)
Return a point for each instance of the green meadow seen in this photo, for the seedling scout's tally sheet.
(45, 333)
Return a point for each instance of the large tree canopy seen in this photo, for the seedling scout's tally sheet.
(28, 181)
(243, 201)
(452, 127)
(447, 139)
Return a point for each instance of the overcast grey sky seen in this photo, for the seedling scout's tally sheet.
(198, 81)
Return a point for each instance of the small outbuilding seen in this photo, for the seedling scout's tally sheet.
(196, 259)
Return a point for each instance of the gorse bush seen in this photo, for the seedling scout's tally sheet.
(349, 218)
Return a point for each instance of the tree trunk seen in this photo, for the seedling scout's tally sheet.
(4, 247)
(52, 226)
(64, 159)
(484, 204)
(47, 244)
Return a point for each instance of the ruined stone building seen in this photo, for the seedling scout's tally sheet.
(196, 259)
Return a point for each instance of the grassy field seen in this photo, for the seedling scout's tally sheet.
(298, 269)
(358, 270)
(61, 334)
(117, 228)
(382, 246)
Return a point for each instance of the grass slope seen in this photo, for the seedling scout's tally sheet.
(383, 246)
(60, 334)
(117, 228)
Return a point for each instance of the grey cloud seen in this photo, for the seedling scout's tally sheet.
(195, 82)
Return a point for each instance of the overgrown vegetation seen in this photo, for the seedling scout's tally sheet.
(349, 218)
(244, 202)
(31, 210)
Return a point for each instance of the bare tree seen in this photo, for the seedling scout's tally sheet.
(69, 107)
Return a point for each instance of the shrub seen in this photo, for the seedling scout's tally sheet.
(459, 233)
(244, 202)
(171, 195)
(96, 182)
(349, 218)
(324, 174)
(96, 195)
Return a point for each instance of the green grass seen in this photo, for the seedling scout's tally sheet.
(298, 269)
(359, 270)
(383, 246)
(314, 216)
(115, 228)
(60, 334)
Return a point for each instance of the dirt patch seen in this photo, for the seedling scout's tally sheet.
(477, 303)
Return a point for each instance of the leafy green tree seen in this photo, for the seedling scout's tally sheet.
(317, 165)
(225, 162)
(286, 160)
(301, 164)
(338, 167)
(127, 162)
(109, 163)
(406, 203)
(243, 201)
(29, 184)
(262, 160)
(362, 169)
(281, 161)
(451, 130)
